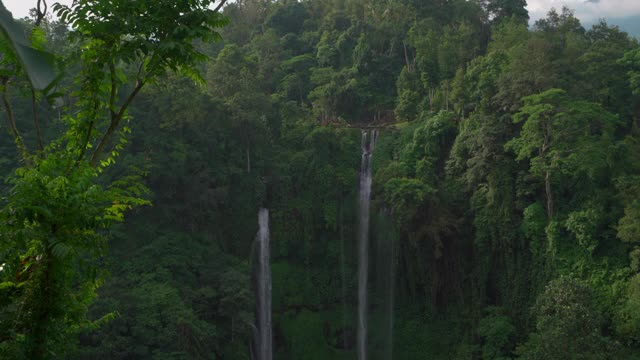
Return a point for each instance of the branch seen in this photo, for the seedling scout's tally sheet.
(219, 6)
(36, 121)
(7, 107)
(83, 149)
(116, 117)
(114, 89)
(115, 121)
(11, 120)
(40, 14)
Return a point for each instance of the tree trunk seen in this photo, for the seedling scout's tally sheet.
(248, 160)
(432, 96)
(40, 332)
(406, 58)
(636, 118)
(549, 195)
(446, 95)
(547, 174)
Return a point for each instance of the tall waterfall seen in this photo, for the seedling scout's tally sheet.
(264, 337)
(368, 144)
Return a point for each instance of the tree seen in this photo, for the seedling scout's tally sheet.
(508, 9)
(559, 24)
(604, 76)
(632, 61)
(163, 42)
(424, 36)
(61, 201)
(545, 60)
(498, 333)
(529, 71)
(560, 134)
(408, 99)
(295, 83)
(233, 77)
(287, 17)
(568, 325)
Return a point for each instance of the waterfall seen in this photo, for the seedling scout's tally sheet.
(368, 144)
(264, 338)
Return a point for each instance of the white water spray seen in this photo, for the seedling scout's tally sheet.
(368, 144)
(264, 339)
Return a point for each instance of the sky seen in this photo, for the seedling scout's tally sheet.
(588, 11)
(20, 8)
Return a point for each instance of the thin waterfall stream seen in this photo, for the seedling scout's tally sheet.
(264, 338)
(368, 144)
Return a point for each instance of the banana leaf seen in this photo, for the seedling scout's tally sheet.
(38, 65)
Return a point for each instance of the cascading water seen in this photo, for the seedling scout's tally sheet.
(368, 144)
(264, 338)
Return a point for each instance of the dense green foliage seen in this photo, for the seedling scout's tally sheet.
(59, 202)
(506, 184)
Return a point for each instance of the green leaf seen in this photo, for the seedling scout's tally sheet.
(60, 250)
(38, 65)
(7, 285)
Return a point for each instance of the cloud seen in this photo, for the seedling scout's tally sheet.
(20, 8)
(586, 10)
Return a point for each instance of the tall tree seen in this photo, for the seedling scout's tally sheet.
(54, 217)
(561, 134)
(505, 9)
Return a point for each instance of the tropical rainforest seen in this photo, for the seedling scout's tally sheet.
(141, 138)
